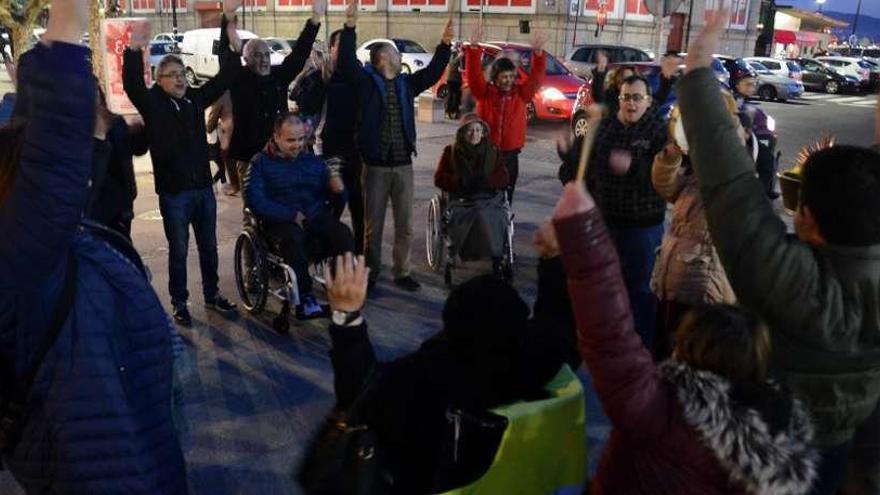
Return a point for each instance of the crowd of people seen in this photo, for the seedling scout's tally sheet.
(729, 355)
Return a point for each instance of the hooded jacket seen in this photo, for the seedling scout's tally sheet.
(99, 412)
(675, 429)
(504, 111)
(447, 179)
(277, 188)
(369, 88)
(821, 303)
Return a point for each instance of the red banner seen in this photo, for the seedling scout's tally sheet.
(115, 36)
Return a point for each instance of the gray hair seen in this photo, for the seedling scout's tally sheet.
(377, 50)
(251, 45)
(166, 61)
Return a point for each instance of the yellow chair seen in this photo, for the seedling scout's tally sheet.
(543, 450)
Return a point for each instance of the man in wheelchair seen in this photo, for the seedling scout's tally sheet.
(288, 189)
(472, 174)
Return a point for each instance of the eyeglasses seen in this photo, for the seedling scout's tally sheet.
(634, 97)
(173, 75)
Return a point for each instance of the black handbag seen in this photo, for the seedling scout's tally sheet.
(346, 457)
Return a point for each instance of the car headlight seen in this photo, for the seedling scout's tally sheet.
(552, 94)
(771, 124)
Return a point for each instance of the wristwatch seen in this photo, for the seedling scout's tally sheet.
(344, 318)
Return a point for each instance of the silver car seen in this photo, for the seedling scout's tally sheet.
(582, 58)
(775, 87)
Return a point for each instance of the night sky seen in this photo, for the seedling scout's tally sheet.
(869, 7)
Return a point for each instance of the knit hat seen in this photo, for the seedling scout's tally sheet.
(485, 313)
(470, 118)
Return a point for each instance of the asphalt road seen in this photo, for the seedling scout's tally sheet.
(250, 399)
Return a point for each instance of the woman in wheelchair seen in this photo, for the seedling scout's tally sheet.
(474, 177)
(288, 190)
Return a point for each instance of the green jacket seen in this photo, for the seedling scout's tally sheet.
(822, 304)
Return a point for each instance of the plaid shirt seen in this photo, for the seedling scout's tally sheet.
(394, 150)
(628, 200)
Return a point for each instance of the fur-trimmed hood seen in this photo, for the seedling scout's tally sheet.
(758, 432)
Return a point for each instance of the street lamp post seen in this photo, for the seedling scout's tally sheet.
(820, 3)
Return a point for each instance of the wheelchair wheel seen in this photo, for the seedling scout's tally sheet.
(435, 244)
(251, 277)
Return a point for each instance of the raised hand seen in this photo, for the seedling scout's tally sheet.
(448, 32)
(668, 65)
(477, 33)
(230, 6)
(351, 13)
(67, 21)
(539, 39)
(319, 8)
(347, 288)
(575, 199)
(701, 50)
(140, 36)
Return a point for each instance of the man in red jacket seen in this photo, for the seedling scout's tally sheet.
(502, 101)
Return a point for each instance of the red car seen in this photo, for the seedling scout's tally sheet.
(555, 99)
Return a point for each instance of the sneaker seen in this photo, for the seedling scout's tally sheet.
(407, 283)
(221, 305)
(309, 308)
(182, 317)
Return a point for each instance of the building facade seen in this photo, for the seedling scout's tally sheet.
(566, 22)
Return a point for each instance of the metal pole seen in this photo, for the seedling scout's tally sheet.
(687, 36)
(856, 20)
(174, 18)
(244, 15)
(576, 16)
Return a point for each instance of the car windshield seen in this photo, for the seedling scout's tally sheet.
(278, 45)
(161, 48)
(864, 64)
(408, 46)
(741, 64)
(554, 68)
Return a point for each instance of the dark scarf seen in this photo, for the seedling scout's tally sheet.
(470, 160)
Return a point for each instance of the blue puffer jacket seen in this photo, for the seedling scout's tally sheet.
(369, 88)
(99, 413)
(276, 189)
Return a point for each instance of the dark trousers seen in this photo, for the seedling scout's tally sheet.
(831, 469)
(637, 247)
(180, 210)
(453, 98)
(511, 161)
(352, 178)
(766, 168)
(669, 316)
(333, 236)
(863, 472)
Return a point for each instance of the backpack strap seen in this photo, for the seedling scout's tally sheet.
(13, 414)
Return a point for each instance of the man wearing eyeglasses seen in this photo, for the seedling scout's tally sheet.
(174, 118)
(619, 177)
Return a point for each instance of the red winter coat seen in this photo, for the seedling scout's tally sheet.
(504, 112)
(447, 180)
(676, 430)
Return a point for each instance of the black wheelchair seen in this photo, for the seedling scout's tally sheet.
(438, 244)
(260, 271)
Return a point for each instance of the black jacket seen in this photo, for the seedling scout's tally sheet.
(338, 133)
(258, 100)
(175, 127)
(407, 406)
(114, 188)
(370, 92)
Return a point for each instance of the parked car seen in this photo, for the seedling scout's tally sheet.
(850, 66)
(737, 67)
(874, 76)
(553, 101)
(199, 50)
(582, 58)
(772, 86)
(169, 36)
(717, 66)
(413, 56)
(279, 45)
(777, 66)
(821, 77)
(158, 50)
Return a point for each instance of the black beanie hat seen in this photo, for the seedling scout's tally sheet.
(486, 313)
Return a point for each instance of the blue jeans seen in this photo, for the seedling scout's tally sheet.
(180, 210)
(637, 248)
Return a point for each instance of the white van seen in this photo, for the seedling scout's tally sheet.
(199, 50)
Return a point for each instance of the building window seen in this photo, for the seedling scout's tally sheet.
(739, 12)
(617, 9)
(334, 5)
(500, 6)
(418, 5)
